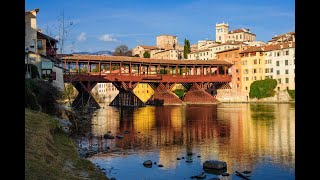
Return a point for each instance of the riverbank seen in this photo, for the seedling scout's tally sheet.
(49, 152)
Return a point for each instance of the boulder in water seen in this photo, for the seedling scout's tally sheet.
(214, 164)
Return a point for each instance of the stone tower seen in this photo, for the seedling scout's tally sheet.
(222, 32)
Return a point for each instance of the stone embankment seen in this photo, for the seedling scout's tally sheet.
(226, 95)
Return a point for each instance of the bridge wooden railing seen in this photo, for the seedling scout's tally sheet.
(126, 77)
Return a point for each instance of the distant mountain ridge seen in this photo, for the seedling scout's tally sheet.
(107, 53)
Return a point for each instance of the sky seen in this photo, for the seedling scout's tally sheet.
(96, 25)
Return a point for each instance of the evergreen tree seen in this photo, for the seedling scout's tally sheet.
(186, 48)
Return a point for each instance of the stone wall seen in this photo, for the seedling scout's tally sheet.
(227, 95)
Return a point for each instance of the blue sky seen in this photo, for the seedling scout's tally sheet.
(105, 24)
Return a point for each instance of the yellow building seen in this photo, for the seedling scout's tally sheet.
(253, 66)
(143, 91)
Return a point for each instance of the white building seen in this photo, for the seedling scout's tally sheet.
(40, 50)
(281, 64)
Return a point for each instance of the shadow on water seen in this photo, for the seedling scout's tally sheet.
(263, 113)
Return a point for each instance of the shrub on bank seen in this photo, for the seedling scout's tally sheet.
(292, 93)
(41, 95)
(263, 88)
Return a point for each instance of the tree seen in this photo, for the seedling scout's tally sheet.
(186, 48)
(263, 88)
(146, 54)
(122, 50)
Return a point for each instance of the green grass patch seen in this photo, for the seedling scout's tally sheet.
(50, 153)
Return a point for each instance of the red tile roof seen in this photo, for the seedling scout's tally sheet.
(148, 47)
(253, 49)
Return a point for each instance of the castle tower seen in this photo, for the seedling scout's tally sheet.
(222, 32)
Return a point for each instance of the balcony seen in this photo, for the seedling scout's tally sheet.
(51, 51)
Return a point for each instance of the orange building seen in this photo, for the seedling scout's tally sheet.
(233, 56)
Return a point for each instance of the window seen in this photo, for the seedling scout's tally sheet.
(240, 37)
(238, 79)
(254, 70)
(259, 61)
(147, 91)
(255, 61)
(39, 44)
(287, 52)
(207, 53)
(237, 71)
(287, 71)
(278, 53)
(278, 63)
(236, 36)
(246, 88)
(266, 61)
(286, 62)
(46, 74)
(278, 72)
(267, 70)
(287, 80)
(271, 70)
(279, 80)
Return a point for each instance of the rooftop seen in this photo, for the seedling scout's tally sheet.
(40, 35)
(142, 60)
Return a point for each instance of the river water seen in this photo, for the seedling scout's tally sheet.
(255, 137)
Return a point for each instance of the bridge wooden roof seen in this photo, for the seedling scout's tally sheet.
(144, 60)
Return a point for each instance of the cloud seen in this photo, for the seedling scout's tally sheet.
(82, 37)
(107, 38)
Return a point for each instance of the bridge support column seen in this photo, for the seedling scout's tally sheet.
(163, 95)
(127, 98)
(197, 95)
(84, 97)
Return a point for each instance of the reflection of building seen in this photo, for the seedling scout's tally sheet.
(105, 92)
(143, 91)
(106, 119)
(240, 134)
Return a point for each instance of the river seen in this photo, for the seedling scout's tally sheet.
(255, 137)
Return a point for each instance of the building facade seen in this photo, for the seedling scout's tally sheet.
(141, 49)
(167, 41)
(241, 35)
(31, 30)
(40, 50)
(281, 64)
(253, 66)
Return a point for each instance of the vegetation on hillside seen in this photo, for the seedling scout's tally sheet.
(50, 154)
(263, 88)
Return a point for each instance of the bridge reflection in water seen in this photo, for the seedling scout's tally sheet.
(243, 135)
(196, 76)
